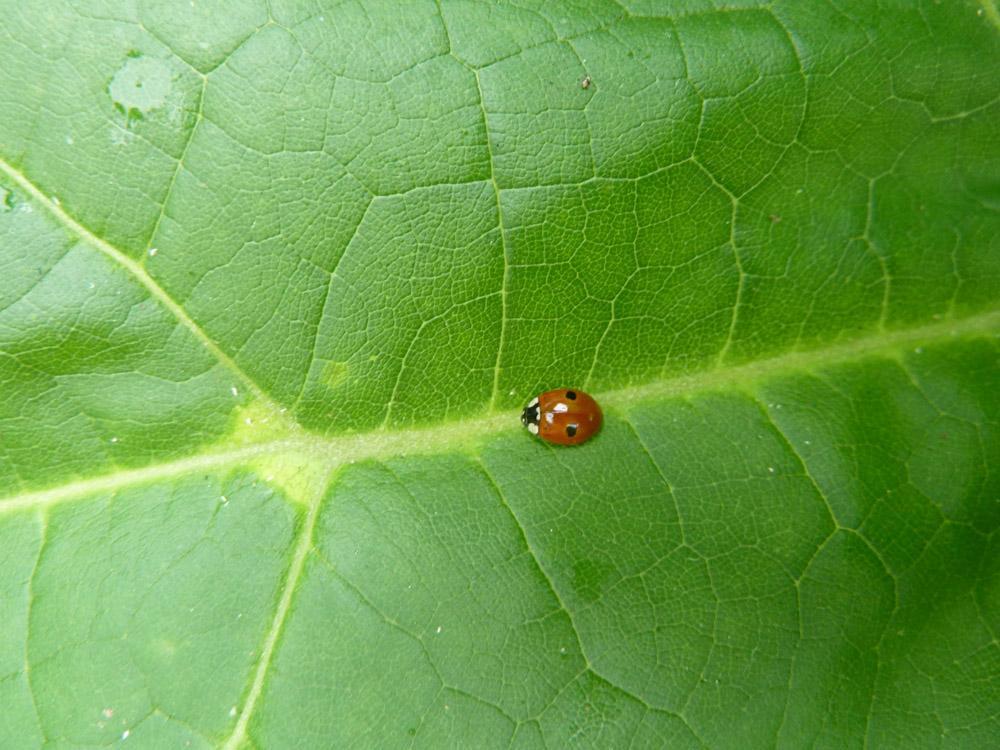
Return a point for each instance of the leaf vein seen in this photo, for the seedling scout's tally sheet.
(138, 272)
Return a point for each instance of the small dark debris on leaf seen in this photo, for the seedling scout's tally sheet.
(585, 83)
(774, 218)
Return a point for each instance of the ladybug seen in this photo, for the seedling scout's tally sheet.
(562, 416)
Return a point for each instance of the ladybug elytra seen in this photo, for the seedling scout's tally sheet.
(563, 416)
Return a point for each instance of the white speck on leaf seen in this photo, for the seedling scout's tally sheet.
(248, 421)
(120, 136)
(69, 140)
(234, 390)
(114, 440)
(232, 711)
(919, 350)
(125, 734)
(438, 629)
(153, 251)
(107, 713)
(770, 469)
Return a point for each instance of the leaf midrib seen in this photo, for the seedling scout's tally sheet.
(464, 435)
(327, 453)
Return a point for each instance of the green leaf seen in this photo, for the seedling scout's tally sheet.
(277, 278)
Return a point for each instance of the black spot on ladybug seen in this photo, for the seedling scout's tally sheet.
(571, 430)
(571, 395)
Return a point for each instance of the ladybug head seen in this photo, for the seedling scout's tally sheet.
(529, 417)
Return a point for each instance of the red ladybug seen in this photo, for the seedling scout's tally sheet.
(562, 416)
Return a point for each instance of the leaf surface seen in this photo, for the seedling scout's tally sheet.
(277, 277)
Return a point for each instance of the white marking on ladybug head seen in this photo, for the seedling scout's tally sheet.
(533, 402)
(532, 428)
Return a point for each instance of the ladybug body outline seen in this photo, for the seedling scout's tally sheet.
(564, 416)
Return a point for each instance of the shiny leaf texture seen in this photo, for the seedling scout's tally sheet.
(276, 278)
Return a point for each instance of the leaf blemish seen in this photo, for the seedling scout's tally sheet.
(140, 86)
(335, 373)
